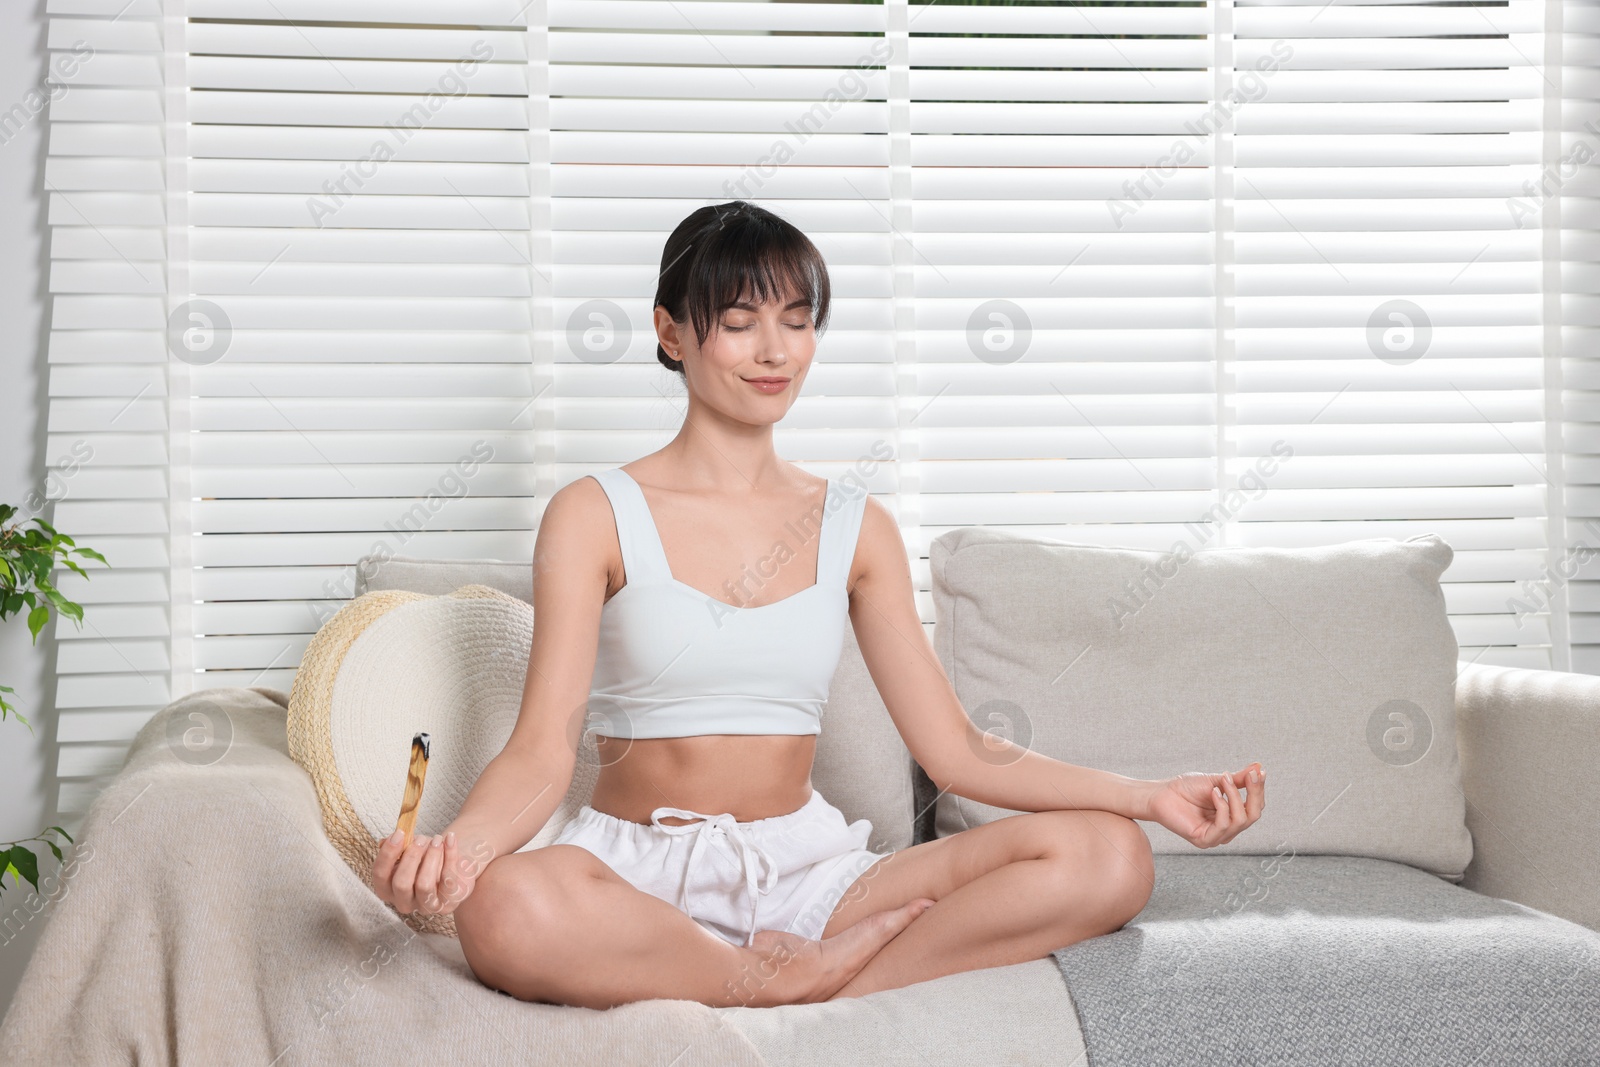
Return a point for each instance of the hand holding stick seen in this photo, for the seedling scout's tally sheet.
(432, 879)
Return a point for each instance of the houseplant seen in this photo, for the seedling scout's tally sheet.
(27, 558)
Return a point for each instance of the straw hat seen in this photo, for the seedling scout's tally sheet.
(394, 662)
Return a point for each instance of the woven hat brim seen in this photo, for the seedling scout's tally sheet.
(391, 663)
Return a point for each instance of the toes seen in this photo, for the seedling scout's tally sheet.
(912, 909)
(772, 944)
(887, 924)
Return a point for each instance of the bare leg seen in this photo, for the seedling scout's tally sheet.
(1013, 890)
(558, 925)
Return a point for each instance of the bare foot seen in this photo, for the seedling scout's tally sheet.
(788, 969)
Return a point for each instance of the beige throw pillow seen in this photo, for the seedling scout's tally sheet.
(1334, 666)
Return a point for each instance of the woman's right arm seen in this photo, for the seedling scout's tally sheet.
(522, 786)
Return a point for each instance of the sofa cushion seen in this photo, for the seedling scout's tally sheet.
(1015, 1014)
(862, 767)
(437, 577)
(1020, 1013)
(1334, 666)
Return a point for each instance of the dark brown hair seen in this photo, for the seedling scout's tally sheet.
(728, 253)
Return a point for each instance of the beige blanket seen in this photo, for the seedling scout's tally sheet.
(207, 920)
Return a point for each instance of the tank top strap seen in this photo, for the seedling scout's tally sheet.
(642, 554)
(840, 531)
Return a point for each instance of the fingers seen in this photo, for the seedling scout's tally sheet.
(1237, 799)
(1242, 813)
(1220, 821)
(1224, 812)
(383, 866)
(405, 875)
(450, 883)
(1257, 787)
(426, 890)
(1236, 816)
(1241, 778)
(426, 876)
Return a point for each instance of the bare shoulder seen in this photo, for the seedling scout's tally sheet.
(880, 556)
(577, 536)
(569, 586)
(581, 506)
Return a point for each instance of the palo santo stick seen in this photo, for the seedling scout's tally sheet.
(415, 774)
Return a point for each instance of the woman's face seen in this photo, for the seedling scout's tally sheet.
(754, 359)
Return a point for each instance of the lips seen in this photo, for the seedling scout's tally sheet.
(768, 381)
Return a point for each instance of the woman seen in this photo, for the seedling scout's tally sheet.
(703, 820)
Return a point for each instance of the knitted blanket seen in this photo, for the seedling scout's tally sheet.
(203, 917)
(1315, 960)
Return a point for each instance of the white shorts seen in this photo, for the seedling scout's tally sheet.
(734, 878)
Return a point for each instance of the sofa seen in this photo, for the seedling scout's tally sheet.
(206, 918)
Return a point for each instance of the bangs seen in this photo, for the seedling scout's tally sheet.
(740, 253)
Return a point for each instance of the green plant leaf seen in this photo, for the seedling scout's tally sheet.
(44, 524)
(62, 832)
(56, 849)
(12, 709)
(36, 620)
(27, 863)
(92, 554)
(6, 511)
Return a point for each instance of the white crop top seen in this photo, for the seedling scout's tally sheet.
(674, 662)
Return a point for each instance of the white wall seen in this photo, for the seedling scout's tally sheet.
(27, 788)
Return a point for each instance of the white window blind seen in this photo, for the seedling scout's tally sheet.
(1568, 198)
(330, 209)
(1388, 310)
(359, 208)
(1065, 319)
(657, 109)
(1093, 266)
(107, 207)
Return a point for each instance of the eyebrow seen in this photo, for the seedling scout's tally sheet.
(801, 303)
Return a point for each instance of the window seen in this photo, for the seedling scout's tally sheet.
(1129, 273)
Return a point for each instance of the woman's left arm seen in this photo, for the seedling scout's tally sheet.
(1206, 809)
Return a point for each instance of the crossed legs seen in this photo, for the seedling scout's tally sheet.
(1012, 890)
(556, 924)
